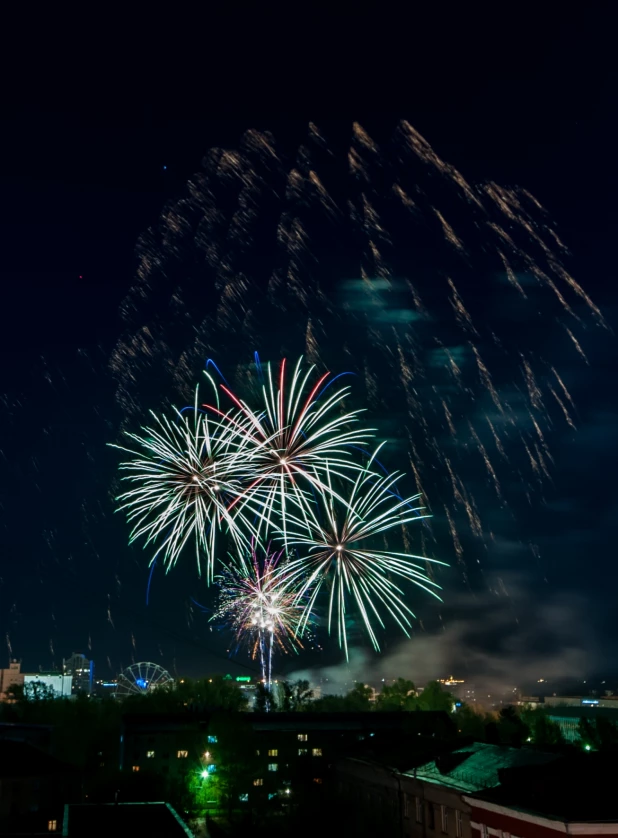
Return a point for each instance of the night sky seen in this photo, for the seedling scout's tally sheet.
(90, 166)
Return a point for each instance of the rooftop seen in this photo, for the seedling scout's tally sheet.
(19, 759)
(477, 766)
(579, 787)
(124, 819)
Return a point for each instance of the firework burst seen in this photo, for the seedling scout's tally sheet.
(300, 435)
(186, 473)
(263, 615)
(336, 551)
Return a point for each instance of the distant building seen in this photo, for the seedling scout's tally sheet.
(568, 718)
(289, 749)
(102, 688)
(60, 684)
(82, 671)
(609, 701)
(10, 677)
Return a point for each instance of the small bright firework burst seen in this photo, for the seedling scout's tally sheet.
(336, 551)
(262, 615)
(186, 474)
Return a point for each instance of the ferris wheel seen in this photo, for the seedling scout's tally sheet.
(142, 678)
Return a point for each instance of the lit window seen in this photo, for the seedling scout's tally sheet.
(419, 810)
(150, 754)
(257, 753)
(272, 766)
(212, 768)
(212, 740)
(444, 813)
(182, 754)
(316, 752)
(273, 752)
(135, 768)
(272, 794)
(459, 824)
(302, 752)
(302, 737)
(52, 826)
(317, 780)
(258, 782)
(243, 798)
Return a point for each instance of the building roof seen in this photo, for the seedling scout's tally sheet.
(578, 787)
(587, 711)
(124, 819)
(19, 759)
(477, 766)
(427, 722)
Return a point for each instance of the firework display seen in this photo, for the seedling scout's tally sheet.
(452, 302)
(292, 472)
(261, 613)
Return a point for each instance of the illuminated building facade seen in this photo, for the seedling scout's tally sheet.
(57, 682)
(10, 677)
(82, 672)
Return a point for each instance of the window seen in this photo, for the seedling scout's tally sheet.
(272, 766)
(273, 752)
(419, 810)
(458, 824)
(444, 814)
(302, 737)
(212, 768)
(135, 768)
(182, 754)
(243, 798)
(316, 752)
(258, 782)
(52, 826)
(406, 805)
(257, 753)
(302, 752)
(431, 817)
(149, 754)
(212, 740)
(317, 780)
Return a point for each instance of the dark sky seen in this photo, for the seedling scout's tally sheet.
(88, 164)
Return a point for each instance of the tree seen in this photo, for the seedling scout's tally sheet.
(600, 734)
(401, 695)
(546, 732)
(265, 699)
(511, 729)
(435, 697)
(359, 698)
(471, 721)
(295, 696)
